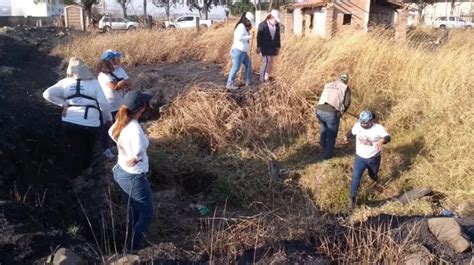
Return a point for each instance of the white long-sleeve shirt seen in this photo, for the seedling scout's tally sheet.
(132, 143)
(114, 97)
(241, 38)
(59, 92)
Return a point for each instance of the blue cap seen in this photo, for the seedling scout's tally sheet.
(365, 116)
(110, 54)
(135, 99)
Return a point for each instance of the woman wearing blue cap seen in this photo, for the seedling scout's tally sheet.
(370, 137)
(132, 166)
(114, 82)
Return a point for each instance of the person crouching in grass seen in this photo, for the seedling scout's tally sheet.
(370, 137)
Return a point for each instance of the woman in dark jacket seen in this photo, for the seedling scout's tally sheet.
(268, 43)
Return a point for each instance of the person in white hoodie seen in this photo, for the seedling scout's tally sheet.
(85, 110)
(239, 51)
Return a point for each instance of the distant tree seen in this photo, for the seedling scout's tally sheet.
(145, 15)
(123, 4)
(420, 6)
(68, 2)
(88, 6)
(166, 4)
(203, 6)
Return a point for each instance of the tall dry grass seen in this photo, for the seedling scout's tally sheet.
(422, 95)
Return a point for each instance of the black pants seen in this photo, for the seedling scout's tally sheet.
(79, 142)
(104, 135)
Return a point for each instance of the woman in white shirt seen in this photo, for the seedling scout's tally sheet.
(85, 109)
(239, 51)
(132, 166)
(115, 83)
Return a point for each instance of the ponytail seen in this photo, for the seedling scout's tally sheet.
(123, 117)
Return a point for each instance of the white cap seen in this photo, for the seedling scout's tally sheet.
(249, 16)
(276, 14)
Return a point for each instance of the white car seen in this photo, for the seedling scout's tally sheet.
(187, 22)
(452, 22)
(117, 23)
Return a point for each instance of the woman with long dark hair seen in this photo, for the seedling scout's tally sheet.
(132, 166)
(239, 51)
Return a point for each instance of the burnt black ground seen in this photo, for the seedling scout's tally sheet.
(33, 189)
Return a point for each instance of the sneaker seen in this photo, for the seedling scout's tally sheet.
(232, 87)
(108, 153)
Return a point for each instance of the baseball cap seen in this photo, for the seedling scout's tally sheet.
(365, 116)
(135, 99)
(110, 54)
(344, 78)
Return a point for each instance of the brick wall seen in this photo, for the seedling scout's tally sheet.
(359, 9)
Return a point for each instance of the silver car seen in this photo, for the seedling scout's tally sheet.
(116, 23)
(452, 22)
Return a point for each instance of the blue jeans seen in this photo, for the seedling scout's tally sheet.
(238, 58)
(328, 128)
(360, 164)
(141, 203)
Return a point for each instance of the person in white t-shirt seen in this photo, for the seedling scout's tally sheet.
(132, 165)
(85, 109)
(113, 79)
(239, 50)
(115, 83)
(370, 137)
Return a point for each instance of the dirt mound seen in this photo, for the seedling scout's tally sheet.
(42, 38)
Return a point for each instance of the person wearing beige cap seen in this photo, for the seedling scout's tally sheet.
(268, 43)
(85, 109)
(239, 51)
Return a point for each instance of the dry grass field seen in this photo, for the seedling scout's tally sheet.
(421, 94)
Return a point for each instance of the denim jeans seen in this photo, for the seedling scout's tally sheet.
(141, 203)
(238, 58)
(329, 126)
(360, 164)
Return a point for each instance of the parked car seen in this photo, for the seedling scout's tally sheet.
(116, 23)
(187, 22)
(452, 22)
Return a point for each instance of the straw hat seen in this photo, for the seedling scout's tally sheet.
(77, 69)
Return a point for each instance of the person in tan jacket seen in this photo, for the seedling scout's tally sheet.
(333, 103)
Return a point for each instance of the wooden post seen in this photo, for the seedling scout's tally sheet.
(197, 24)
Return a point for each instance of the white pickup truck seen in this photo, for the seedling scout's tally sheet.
(187, 22)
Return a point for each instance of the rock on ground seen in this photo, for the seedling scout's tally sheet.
(64, 256)
(448, 230)
(122, 260)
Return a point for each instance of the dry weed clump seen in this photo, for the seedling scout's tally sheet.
(422, 96)
(367, 243)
